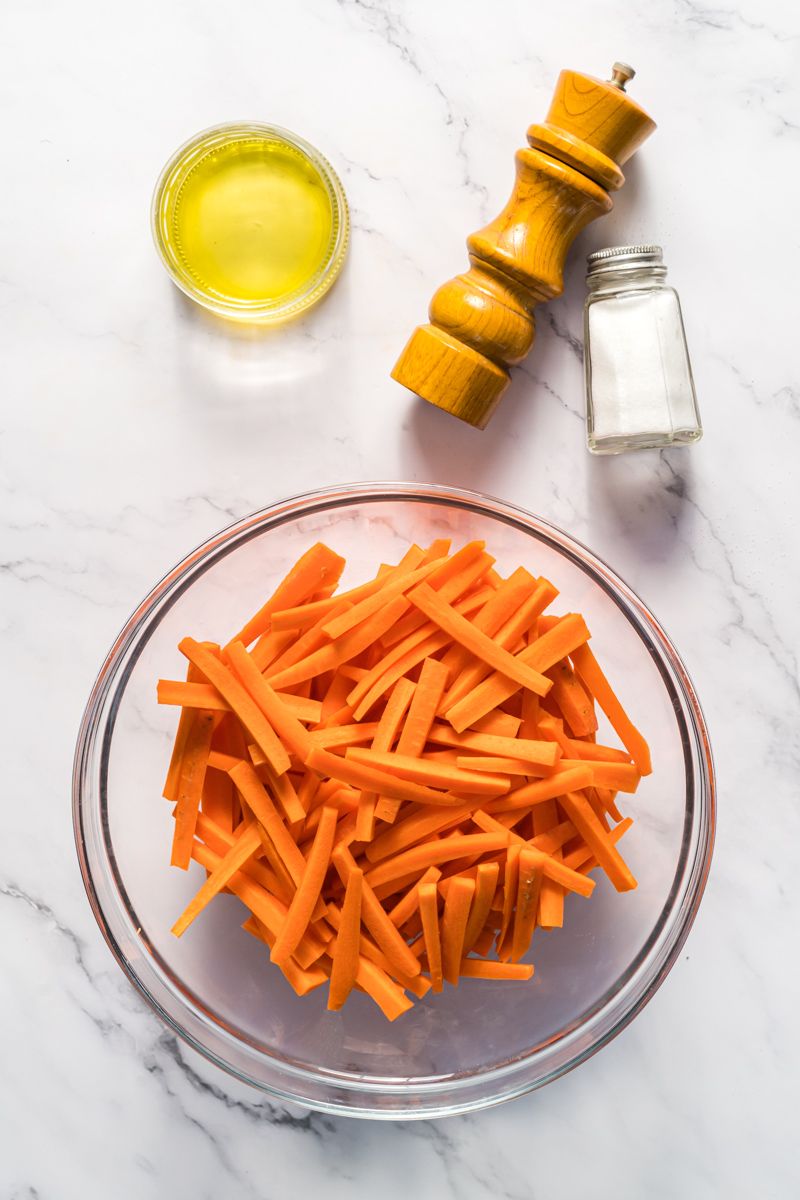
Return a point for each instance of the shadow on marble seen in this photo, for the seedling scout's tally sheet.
(647, 496)
(218, 357)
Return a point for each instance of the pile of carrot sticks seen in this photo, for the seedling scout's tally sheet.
(400, 781)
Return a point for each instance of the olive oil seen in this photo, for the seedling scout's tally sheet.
(251, 221)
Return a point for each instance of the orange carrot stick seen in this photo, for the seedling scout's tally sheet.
(376, 919)
(385, 734)
(370, 778)
(429, 912)
(568, 694)
(263, 809)
(308, 890)
(620, 777)
(551, 866)
(593, 677)
(328, 657)
(507, 637)
(535, 752)
(430, 772)
(407, 906)
(317, 568)
(472, 639)
(190, 786)
(434, 853)
(246, 843)
(480, 968)
(293, 735)
(528, 889)
(580, 812)
(454, 924)
(562, 639)
(486, 878)
(549, 788)
(346, 949)
(240, 701)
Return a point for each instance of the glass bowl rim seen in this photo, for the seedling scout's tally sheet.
(509, 1079)
(323, 278)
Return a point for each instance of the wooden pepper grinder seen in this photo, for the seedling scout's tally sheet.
(482, 322)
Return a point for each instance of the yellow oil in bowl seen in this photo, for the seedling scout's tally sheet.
(251, 222)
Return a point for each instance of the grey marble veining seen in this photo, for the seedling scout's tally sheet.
(131, 429)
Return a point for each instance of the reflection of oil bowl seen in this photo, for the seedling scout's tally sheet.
(467, 1047)
(251, 222)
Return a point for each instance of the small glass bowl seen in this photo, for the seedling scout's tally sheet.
(467, 1047)
(265, 311)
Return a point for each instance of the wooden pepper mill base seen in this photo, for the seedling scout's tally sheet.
(482, 322)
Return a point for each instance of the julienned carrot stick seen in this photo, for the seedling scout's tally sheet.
(371, 779)
(204, 695)
(329, 657)
(536, 752)
(454, 924)
(346, 948)
(551, 866)
(434, 853)
(240, 701)
(480, 968)
(507, 637)
(493, 766)
(335, 737)
(190, 695)
(486, 878)
(621, 777)
(501, 723)
(294, 736)
(583, 818)
(431, 773)
(543, 789)
(422, 643)
(429, 913)
(396, 583)
(193, 765)
(263, 809)
(245, 846)
(529, 885)
(418, 827)
(478, 644)
(301, 980)
(308, 890)
(302, 616)
(422, 710)
(583, 859)
(417, 844)
(279, 786)
(390, 998)
(592, 675)
(385, 734)
(579, 748)
(562, 639)
(317, 567)
(406, 907)
(568, 693)
(376, 919)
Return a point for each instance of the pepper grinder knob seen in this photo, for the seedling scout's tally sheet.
(621, 74)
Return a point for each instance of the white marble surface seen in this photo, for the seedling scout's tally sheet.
(131, 430)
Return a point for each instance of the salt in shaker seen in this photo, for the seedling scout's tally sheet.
(639, 387)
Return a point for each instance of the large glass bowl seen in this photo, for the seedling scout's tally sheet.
(468, 1047)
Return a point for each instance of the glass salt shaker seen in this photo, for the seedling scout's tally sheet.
(639, 387)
